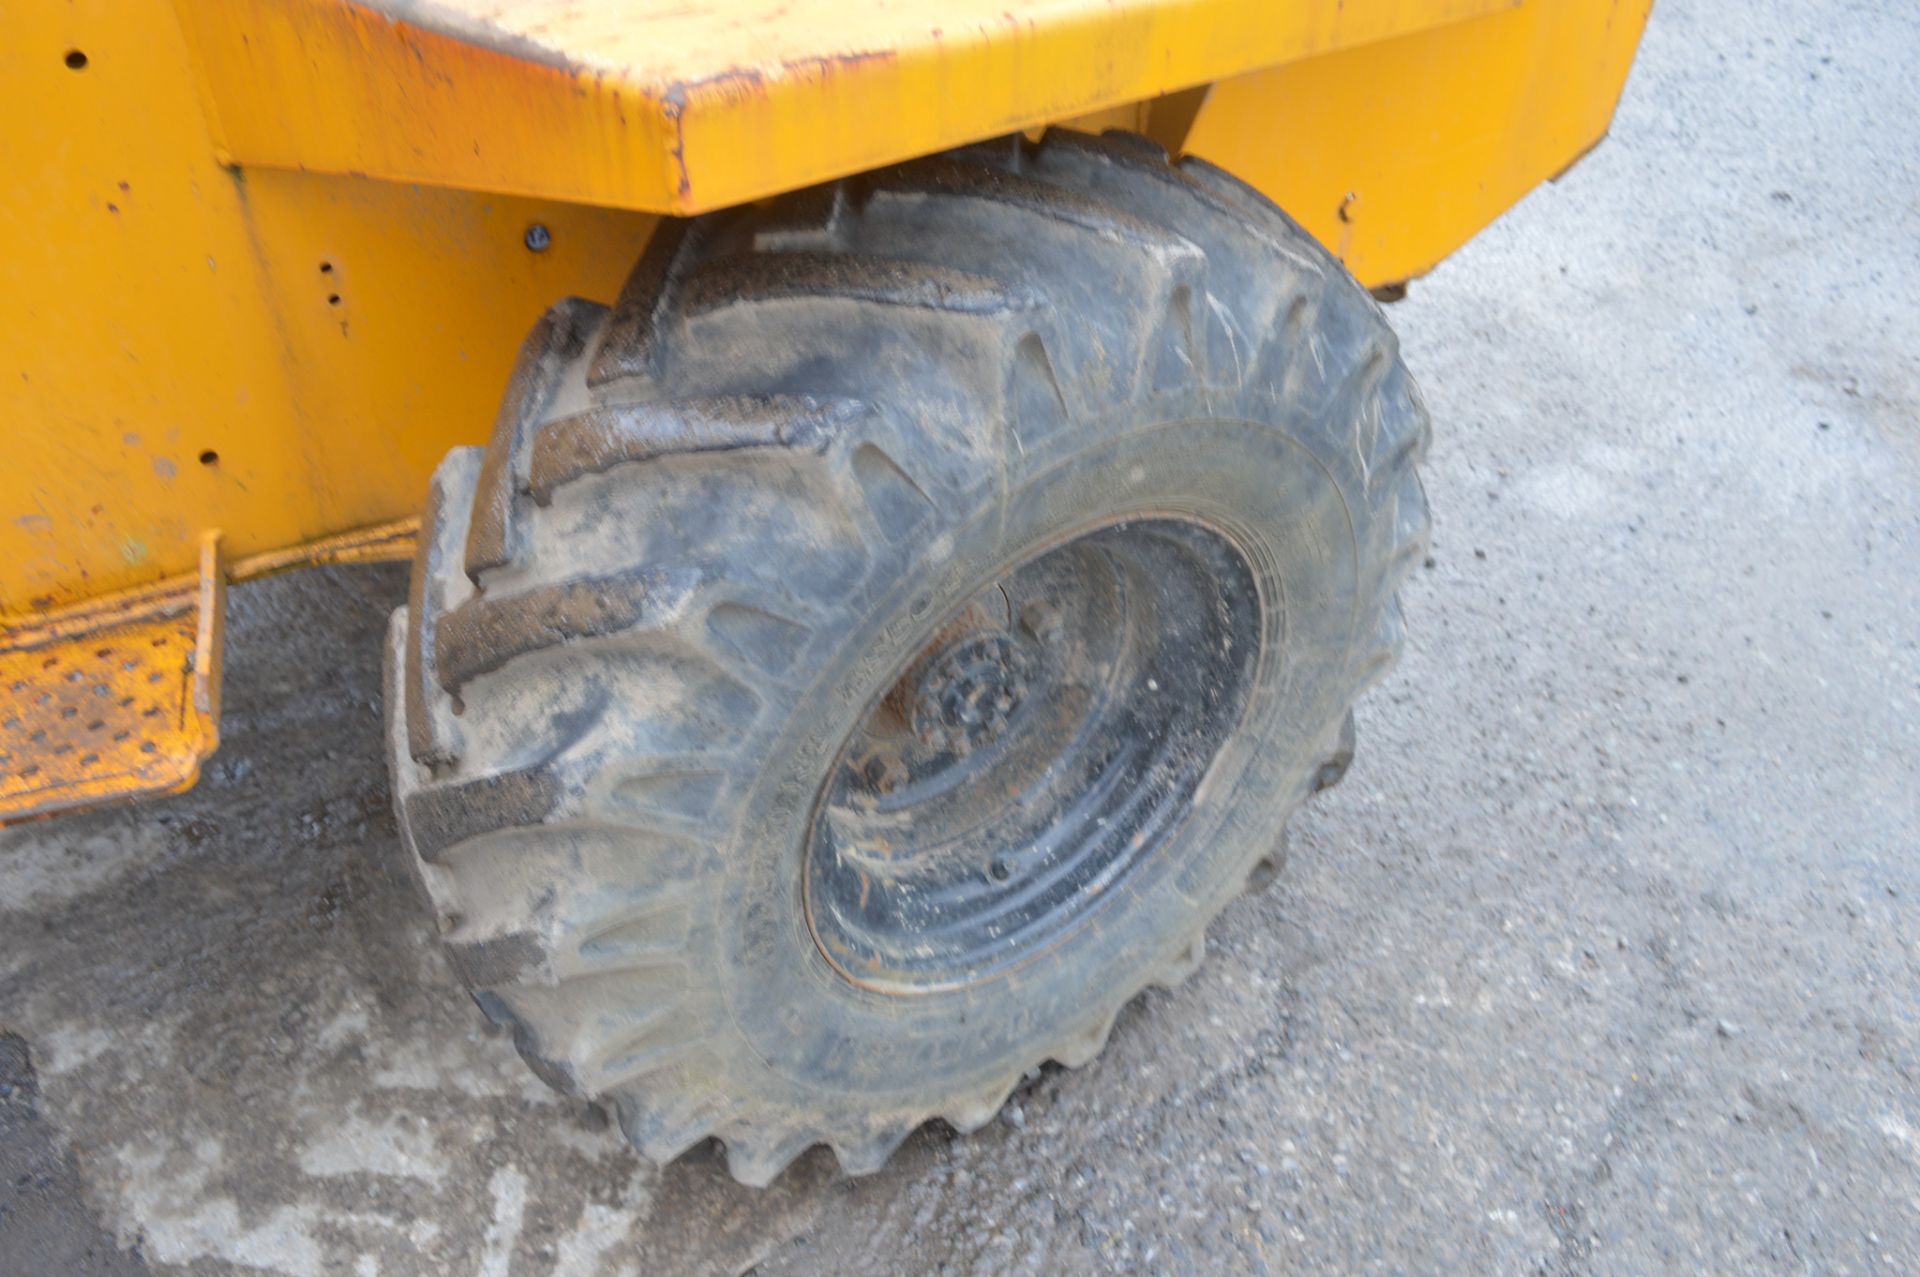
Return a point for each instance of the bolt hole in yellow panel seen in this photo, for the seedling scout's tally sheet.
(186, 345)
(284, 348)
(1395, 153)
(279, 354)
(213, 317)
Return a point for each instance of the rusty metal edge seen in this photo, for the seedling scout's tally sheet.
(205, 593)
(392, 541)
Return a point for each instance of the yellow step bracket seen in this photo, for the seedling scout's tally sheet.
(116, 703)
(119, 698)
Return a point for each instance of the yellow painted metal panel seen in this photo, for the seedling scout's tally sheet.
(321, 342)
(284, 348)
(1395, 154)
(118, 698)
(683, 105)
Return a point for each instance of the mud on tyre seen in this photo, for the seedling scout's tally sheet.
(870, 653)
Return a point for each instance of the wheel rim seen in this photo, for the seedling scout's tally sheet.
(1044, 744)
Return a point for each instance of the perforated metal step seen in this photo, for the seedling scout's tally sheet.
(119, 703)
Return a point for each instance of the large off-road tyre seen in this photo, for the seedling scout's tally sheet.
(872, 652)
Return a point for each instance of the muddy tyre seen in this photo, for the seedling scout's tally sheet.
(870, 653)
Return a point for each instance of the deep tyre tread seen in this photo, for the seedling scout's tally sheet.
(628, 613)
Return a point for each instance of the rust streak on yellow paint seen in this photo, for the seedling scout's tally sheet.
(390, 542)
(285, 349)
(676, 108)
(277, 354)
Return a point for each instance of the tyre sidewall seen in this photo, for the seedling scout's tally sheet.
(1284, 498)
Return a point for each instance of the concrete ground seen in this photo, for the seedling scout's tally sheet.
(1605, 958)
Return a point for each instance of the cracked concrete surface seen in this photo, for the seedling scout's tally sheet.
(1603, 959)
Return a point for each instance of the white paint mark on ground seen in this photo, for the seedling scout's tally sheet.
(71, 1047)
(183, 1224)
(509, 1189)
(411, 1065)
(355, 1146)
(600, 1230)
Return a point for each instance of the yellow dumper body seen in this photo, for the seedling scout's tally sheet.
(268, 260)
